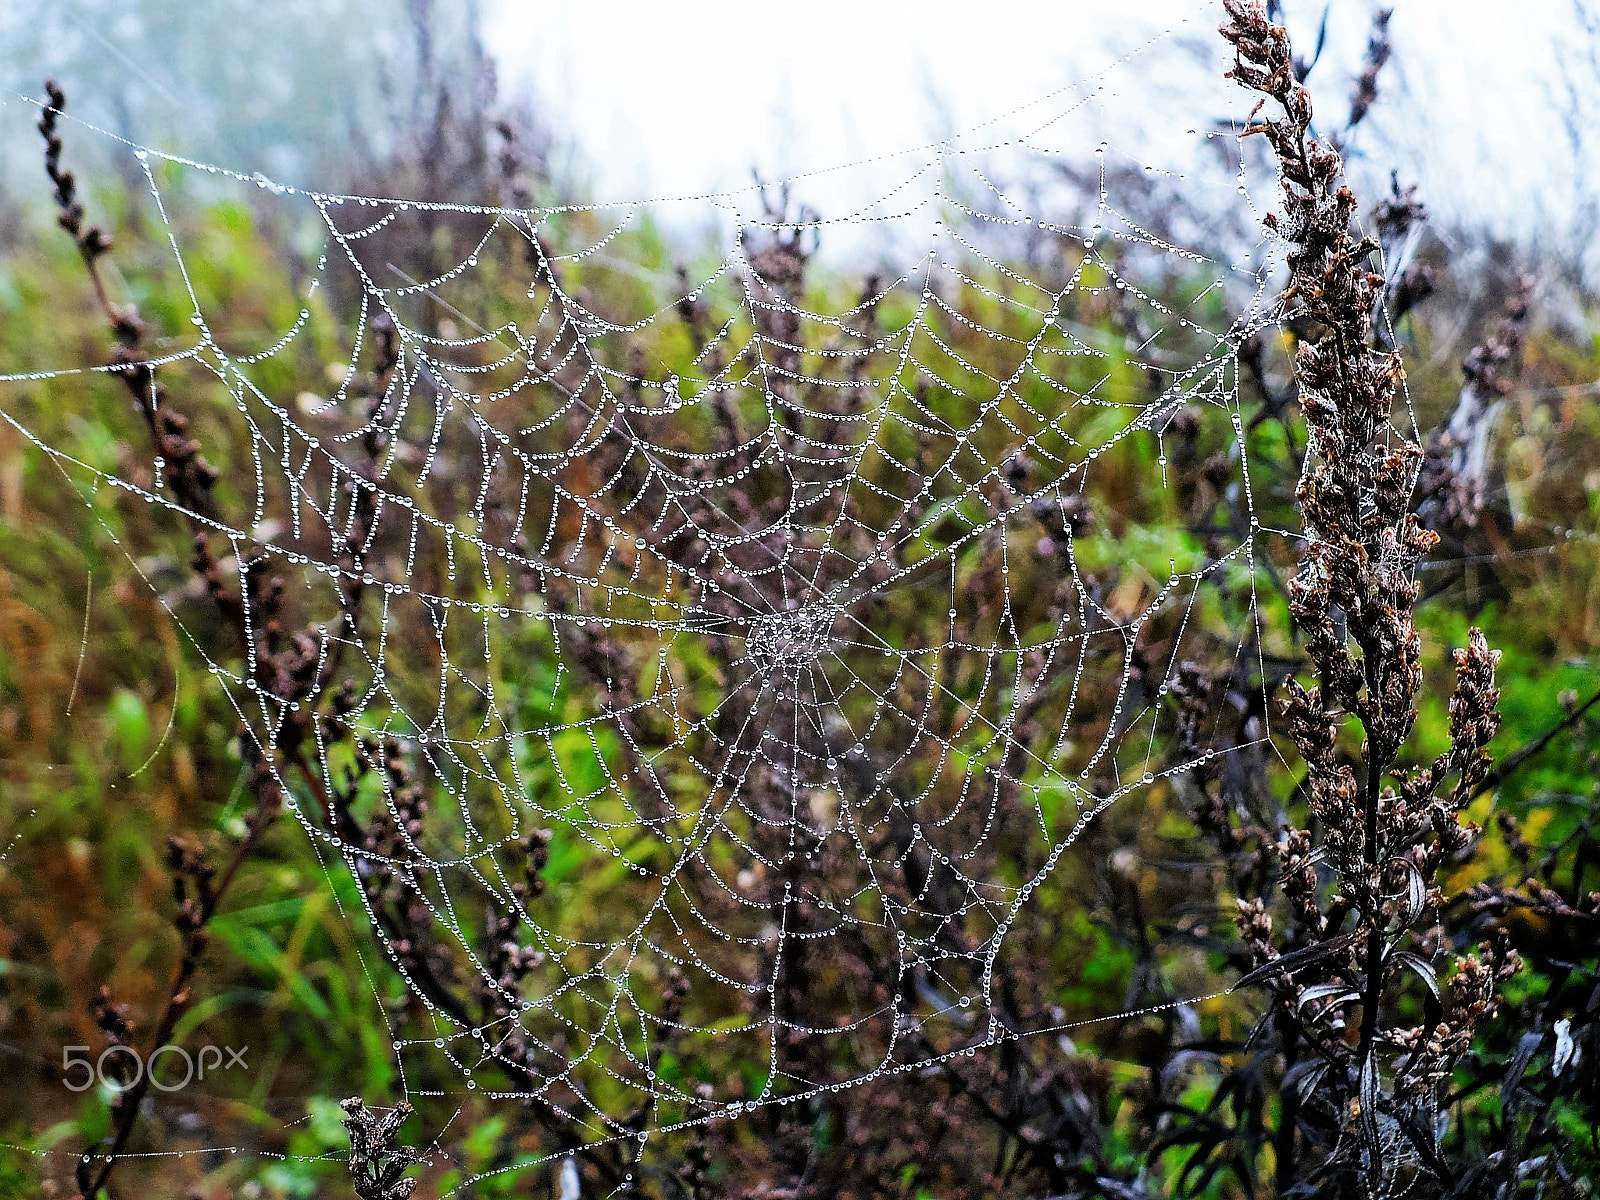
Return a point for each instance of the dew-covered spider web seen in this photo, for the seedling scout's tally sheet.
(795, 621)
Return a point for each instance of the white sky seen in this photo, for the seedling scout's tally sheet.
(654, 98)
(683, 97)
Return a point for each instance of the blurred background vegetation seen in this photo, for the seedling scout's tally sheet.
(113, 739)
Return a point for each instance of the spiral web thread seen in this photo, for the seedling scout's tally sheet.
(776, 628)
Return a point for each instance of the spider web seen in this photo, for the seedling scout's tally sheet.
(810, 622)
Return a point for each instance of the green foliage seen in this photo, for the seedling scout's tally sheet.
(149, 750)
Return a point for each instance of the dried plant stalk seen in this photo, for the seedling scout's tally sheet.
(1353, 598)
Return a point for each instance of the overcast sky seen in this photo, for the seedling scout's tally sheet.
(651, 99)
(685, 97)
